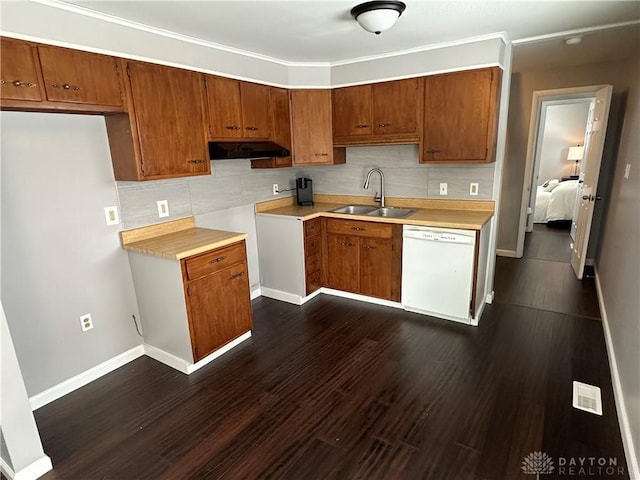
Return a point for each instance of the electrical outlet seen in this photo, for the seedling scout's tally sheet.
(443, 189)
(163, 208)
(111, 215)
(473, 189)
(275, 189)
(86, 322)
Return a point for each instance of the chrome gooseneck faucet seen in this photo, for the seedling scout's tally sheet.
(377, 198)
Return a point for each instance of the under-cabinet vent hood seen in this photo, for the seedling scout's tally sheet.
(229, 150)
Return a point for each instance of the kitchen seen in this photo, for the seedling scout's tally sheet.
(225, 201)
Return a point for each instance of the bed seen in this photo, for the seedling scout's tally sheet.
(555, 200)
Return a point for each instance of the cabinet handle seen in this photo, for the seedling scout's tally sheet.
(217, 260)
(433, 150)
(195, 161)
(237, 275)
(232, 127)
(65, 86)
(369, 247)
(251, 128)
(362, 126)
(359, 229)
(321, 154)
(384, 125)
(19, 83)
(313, 244)
(346, 244)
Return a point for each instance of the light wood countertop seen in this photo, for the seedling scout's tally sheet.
(176, 240)
(464, 214)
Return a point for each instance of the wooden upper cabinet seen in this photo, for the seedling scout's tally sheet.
(19, 71)
(352, 111)
(379, 113)
(312, 127)
(164, 134)
(80, 77)
(238, 109)
(460, 116)
(281, 129)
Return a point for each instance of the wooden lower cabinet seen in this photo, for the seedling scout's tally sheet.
(313, 248)
(367, 260)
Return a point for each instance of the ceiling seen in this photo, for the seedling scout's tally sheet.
(324, 31)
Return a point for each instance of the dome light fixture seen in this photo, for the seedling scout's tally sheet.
(378, 16)
(575, 40)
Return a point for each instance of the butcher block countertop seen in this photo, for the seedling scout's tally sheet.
(464, 214)
(177, 239)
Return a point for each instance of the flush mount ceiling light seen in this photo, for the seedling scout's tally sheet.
(378, 16)
(573, 40)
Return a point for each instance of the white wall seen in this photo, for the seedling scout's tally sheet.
(618, 267)
(564, 126)
(59, 259)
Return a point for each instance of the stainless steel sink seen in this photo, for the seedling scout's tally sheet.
(386, 212)
(391, 212)
(355, 209)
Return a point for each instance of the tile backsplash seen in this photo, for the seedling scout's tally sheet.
(234, 183)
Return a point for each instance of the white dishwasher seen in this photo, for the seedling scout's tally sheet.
(437, 271)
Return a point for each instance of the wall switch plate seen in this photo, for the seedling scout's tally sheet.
(111, 215)
(627, 170)
(275, 189)
(86, 322)
(443, 189)
(473, 189)
(163, 208)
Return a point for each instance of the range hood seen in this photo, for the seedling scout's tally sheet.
(228, 150)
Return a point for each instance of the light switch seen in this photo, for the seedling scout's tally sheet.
(627, 170)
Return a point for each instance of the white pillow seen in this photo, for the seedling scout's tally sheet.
(549, 185)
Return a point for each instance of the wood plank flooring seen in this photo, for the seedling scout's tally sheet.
(338, 389)
(549, 241)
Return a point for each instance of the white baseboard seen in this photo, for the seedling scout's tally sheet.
(187, 367)
(282, 296)
(362, 298)
(623, 418)
(490, 297)
(256, 292)
(49, 395)
(506, 253)
(30, 472)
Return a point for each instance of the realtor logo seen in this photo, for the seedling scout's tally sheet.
(537, 463)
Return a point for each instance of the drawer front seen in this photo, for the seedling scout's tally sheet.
(312, 245)
(356, 227)
(314, 282)
(313, 263)
(312, 227)
(215, 261)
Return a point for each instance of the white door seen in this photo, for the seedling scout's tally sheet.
(594, 144)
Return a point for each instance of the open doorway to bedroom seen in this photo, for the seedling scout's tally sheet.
(557, 167)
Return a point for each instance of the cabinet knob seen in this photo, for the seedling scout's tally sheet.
(195, 161)
(251, 128)
(217, 260)
(232, 127)
(358, 228)
(346, 244)
(65, 86)
(384, 125)
(433, 150)
(19, 83)
(369, 247)
(362, 126)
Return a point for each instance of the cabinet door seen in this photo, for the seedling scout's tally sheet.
(343, 263)
(311, 128)
(219, 309)
(352, 111)
(256, 110)
(396, 107)
(225, 113)
(376, 267)
(20, 80)
(169, 113)
(459, 120)
(80, 77)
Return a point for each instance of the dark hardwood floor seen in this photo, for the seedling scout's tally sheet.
(549, 241)
(338, 389)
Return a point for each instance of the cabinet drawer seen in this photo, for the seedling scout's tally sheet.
(312, 227)
(215, 261)
(355, 227)
(313, 263)
(312, 245)
(314, 282)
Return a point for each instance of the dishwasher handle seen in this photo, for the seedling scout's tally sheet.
(439, 236)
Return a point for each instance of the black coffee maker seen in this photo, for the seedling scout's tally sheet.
(304, 191)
